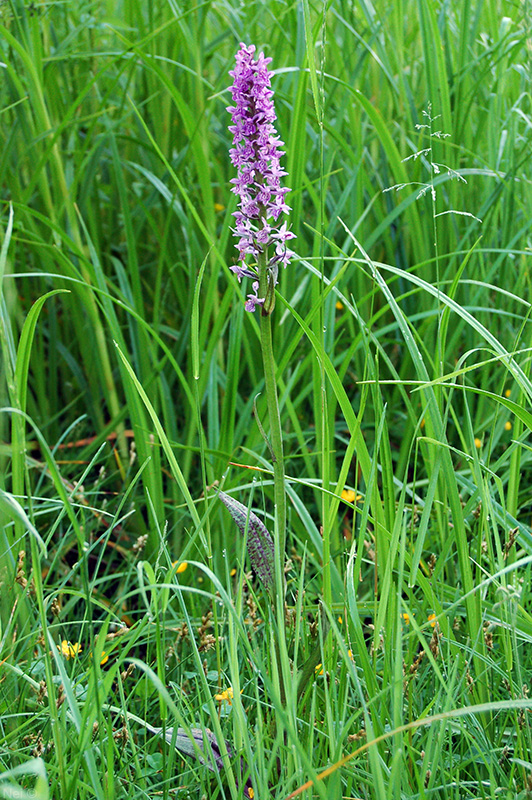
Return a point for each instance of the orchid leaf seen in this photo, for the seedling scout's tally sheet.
(259, 541)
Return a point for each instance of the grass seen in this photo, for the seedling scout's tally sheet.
(401, 662)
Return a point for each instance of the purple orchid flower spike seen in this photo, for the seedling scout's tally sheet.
(256, 155)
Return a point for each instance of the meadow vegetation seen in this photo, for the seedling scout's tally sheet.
(131, 384)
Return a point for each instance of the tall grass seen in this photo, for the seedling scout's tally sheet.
(130, 372)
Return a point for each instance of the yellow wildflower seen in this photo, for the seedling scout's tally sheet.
(318, 669)
(508, 392)
(182, 566)
(69, 650)
(508, 426)
(350, 497)
(478, 443)
(226, 695)
(432, 620)
(339, 305)
(406, 618)
(104, 658)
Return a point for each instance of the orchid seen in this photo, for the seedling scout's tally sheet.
(256, 154)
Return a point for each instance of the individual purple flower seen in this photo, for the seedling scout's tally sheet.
(256, 154)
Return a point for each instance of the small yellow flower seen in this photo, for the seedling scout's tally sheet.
(226, 695)
(182, 566)
(318, 669)
(350, 654)
(339, 305)
(478, 443)
(350, 497)
(406, 618)
(508, 392)
(104, 658)
(219, 207)
(508, 426)
(340, 620)
(251, 793)
(69, 650)
(233, 572)
(432, 620)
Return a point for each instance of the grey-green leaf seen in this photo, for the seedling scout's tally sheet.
(259, 541)
(198, 741)
(190, 743)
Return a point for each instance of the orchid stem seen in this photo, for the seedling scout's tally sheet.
(276, 436)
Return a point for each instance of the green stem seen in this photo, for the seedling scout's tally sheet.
(276, 437)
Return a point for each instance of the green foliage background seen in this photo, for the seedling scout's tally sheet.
(130, 370)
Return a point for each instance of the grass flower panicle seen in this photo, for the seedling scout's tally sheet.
(256, 154)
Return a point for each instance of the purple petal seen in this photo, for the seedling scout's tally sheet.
(256, 155)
